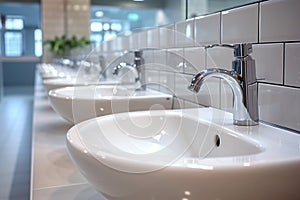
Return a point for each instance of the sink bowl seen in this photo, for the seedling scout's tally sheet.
(79, 103)
(185, 154)
(55, 83)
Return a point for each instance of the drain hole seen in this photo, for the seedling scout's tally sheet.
(217, 140)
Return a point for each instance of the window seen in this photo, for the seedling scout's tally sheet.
(38, 42)
(14, 23)
(103, 30)
(13, 43)
(13, 36)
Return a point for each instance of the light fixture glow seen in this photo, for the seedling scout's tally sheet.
(133, 17)
(99, 13)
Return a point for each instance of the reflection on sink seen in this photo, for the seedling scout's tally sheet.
(80, 103)
(51, 84)
(185, 154)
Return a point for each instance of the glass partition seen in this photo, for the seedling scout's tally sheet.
(203, 7)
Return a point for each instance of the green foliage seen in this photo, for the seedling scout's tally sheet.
(62, 45)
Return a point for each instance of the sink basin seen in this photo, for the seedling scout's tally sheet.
(185, 154)
(79, 103)
(51, 84)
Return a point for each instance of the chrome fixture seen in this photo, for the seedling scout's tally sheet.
(102, 64)
(241, 79)
(138, 69)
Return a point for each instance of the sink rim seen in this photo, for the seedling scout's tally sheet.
(148, 93)
(262, 158)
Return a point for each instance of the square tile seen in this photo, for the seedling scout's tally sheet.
(184, 33)
(167, 82)
(159, 59)
(219, 57)
(240, 25)
(174, 60)
(194, 59)
(292, 64)
(279, 105)
(166, 36)
(181, 91)
(142, 40)
(279, 20)
(208, 29)
(269, 62)
(153, 38)
(152, 79)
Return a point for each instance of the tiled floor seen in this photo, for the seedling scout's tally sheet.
(15, 143)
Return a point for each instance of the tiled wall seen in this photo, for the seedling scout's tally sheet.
(59, 17)
(52, 14)
(271, 26)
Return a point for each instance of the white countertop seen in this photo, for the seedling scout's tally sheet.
(53, 175)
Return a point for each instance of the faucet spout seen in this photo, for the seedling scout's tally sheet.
(241, 115)
(137, 67)
(125, 65)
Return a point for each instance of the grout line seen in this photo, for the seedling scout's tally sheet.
(259, 22)
(280, 85)
(221, 28)
(283, 65)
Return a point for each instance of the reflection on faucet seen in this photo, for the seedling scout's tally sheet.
(125, 65)
(136, 67)
(242, 80)
(102, 64)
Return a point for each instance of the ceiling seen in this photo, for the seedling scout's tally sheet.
(131, 3)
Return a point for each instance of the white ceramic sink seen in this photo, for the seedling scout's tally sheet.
(185, 154)
(51, 84)
(80, 103)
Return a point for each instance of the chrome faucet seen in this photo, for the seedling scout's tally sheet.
(102, 64)
(137, 67)
(241, 79)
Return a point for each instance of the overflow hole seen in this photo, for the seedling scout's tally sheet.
(217, 140)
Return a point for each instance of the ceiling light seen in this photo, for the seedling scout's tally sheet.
(138, 0)
(99, 13)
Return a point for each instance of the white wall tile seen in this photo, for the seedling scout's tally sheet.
(279, 20)
(240, 25)
(195, 59)
(152, 79)
(134, 41)
(153, 38)
(166, 33)
(142, 40)
(148, 58)
(125, 42)
(208, 29)
(219, 57)
(167, 82)
(280, 105)
(174, 60)
(209, 94)
(292, 64)
(181, 83)
(184, 33)
(159, 59)
(269, 62)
